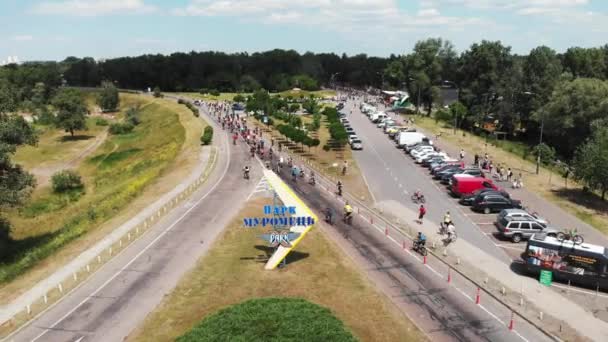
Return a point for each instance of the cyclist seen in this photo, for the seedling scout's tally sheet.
(451, 231)
(339, 185)
(420, 241)
(418, 195)
(329, 214)
(312, 180)
(246, 172)
(348, 211)
(447, 220)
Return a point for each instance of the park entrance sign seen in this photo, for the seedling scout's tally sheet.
(290, 222)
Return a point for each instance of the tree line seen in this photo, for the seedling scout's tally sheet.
(275, 70)
(559, 98)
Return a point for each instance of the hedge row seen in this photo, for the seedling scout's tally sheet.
(190, 106)
(207, 135)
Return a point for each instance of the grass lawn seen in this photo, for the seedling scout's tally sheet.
(233, 271)
(230, 96)
(118, 179)
(548, 184)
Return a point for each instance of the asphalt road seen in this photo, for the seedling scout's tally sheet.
(445, 311)
(115, 300)
(393, 176)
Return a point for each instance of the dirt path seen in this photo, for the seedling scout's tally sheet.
(43, 174)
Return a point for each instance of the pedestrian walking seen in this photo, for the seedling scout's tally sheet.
(476, 159)
(461, 154)
(344, 166)
(421, 213)
(509, 175)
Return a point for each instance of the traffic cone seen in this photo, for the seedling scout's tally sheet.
(478, 296)
(449, 275)
(511, 322)
(424, 260)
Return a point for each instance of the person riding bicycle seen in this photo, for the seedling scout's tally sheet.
(447, 220)
(246, 171)
(312, 178)
(329, 214)
(339, 186)
(418, 195)
(421, 240)
(348, 210)
(451, 229)
(294, 173)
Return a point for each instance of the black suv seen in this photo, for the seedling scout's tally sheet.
(492, 203)
(469, 199)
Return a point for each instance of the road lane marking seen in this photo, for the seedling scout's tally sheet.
(145, 249)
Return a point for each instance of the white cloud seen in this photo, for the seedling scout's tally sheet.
(23, 38)
(428, 12)
(367, 18)
(92, 7)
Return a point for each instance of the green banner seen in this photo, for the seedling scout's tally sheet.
(546, 277)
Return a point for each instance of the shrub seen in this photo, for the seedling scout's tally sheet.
(181, 101)
(121, 128)
(207, 135)
(101, 122)
(66, 180)
(204, 91)
(157, 92)
(45, 117)
(214, 92)
(547, 153)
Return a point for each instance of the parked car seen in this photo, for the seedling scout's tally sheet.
(463, 186)
(351, 138)
(522, 214)
(443, 166)
(344, 121)
(448, 169)
(446, 175)
(340, 106)
(494, 203)
(356, 144)
(421, 150)
(386, 122)
(473, 171)
(517, 228)
(470, 198)
(425, 156)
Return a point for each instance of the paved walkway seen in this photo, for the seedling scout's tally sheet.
(43, 287)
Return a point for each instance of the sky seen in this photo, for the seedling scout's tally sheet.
(56, 29)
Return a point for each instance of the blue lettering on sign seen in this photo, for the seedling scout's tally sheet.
(302, 221)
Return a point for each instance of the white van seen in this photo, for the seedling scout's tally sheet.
(376, 117)
(407, 138)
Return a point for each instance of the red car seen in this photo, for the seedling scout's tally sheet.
(464, 185)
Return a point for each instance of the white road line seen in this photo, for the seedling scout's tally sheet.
(138, 254)
(485, 223)
(369, 188)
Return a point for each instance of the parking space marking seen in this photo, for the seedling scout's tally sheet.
(509, 247)
(485, 223)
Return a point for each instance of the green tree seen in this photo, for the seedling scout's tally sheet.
(108, 97)
(582, 62)
(591, 159)
(71, 110)
(459, 113)
(39, 94)
(66, 180)
(8, 97)
(541, 72)
(311, 105)
(568, 115)
(305, 82)
(482, 70)
(239, 98)
(424, 68)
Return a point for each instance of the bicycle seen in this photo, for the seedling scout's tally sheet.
(570, 235)
(418, 199)
(420, 248)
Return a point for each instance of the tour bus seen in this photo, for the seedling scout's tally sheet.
(583, 264)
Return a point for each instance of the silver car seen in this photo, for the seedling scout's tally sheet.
(516, 228)
(522, 214)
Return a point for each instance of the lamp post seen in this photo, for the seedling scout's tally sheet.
(540, 139)
(417, 102)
